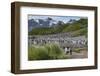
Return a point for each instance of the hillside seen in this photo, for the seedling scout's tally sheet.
(77, 28)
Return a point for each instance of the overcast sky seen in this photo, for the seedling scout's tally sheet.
(56, 18)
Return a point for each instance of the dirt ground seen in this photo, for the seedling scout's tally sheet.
(75, 55)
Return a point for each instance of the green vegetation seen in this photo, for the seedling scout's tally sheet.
(46, 52)
(39, 53)
(80, 32)
(78, 50)
(77, 28)
(73, 27)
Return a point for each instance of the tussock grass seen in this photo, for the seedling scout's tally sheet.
(46, 52)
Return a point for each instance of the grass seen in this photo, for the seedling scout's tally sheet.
(46, 52)
(80, 32)
(37, 53)
(78, 50)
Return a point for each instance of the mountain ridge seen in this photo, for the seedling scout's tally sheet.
(79, 27)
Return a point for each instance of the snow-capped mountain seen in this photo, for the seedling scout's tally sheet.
(37, 23)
